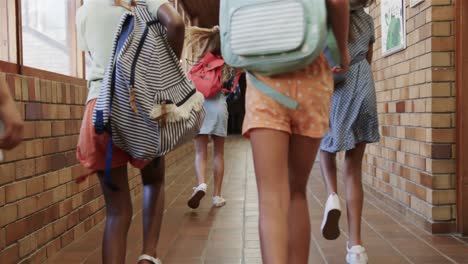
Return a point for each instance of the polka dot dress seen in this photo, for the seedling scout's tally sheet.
(353, 115)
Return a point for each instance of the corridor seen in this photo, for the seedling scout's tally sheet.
(230, 234)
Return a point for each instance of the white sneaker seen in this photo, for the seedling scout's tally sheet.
(356, 255)
(218, 201)
(331, 218)
(198, 193)
(149, 258)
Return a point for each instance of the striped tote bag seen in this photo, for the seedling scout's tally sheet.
(146, 102)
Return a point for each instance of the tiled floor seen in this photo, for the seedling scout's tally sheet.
(230, 235)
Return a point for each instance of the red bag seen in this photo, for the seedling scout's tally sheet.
(207, 75)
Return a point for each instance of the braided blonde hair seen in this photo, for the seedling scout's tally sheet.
(203, 40)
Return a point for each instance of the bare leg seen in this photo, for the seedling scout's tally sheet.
(354, 192)
(201, 156)
(328, 166)
(119, 217)
(218, 165)
(302, 153)
(270, 152)
(153, 206)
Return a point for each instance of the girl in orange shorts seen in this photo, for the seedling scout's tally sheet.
(285, 143)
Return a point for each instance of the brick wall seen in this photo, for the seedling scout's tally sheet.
(413, 167)
(42, 209)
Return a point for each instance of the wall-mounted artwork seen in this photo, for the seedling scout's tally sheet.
(414, 3)
(393, 23)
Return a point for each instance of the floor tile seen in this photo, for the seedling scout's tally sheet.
(230, 234)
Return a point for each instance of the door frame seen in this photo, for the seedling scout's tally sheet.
(461, 69)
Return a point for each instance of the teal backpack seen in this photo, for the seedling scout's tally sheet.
(271, 37)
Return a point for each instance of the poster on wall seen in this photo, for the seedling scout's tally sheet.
(414, 3)
(393, 22)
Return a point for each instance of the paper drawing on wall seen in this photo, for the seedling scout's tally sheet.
(393, 26)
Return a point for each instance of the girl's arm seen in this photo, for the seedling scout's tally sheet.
(169, 17)
(339, 19)
(370, 53)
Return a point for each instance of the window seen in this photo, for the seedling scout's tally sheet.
(38, 38)
(49, 36)
(8, 50)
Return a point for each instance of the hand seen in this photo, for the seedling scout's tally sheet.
(13, 124)
(345, 62)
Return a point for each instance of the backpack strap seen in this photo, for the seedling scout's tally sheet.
(108, 127)
(234, 83)
(274, 94)
(332, 46)
(110, 143)
(108, 166)
(141, 11)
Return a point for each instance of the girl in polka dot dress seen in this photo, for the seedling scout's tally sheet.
(285, 143)
(353, 124)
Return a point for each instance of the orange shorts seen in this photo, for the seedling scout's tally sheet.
(92, 148)
(311, 87)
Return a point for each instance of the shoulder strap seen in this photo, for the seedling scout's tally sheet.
(332, 46)
(267, 90)
(141, 11)
(234, 83)
(236, 80)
